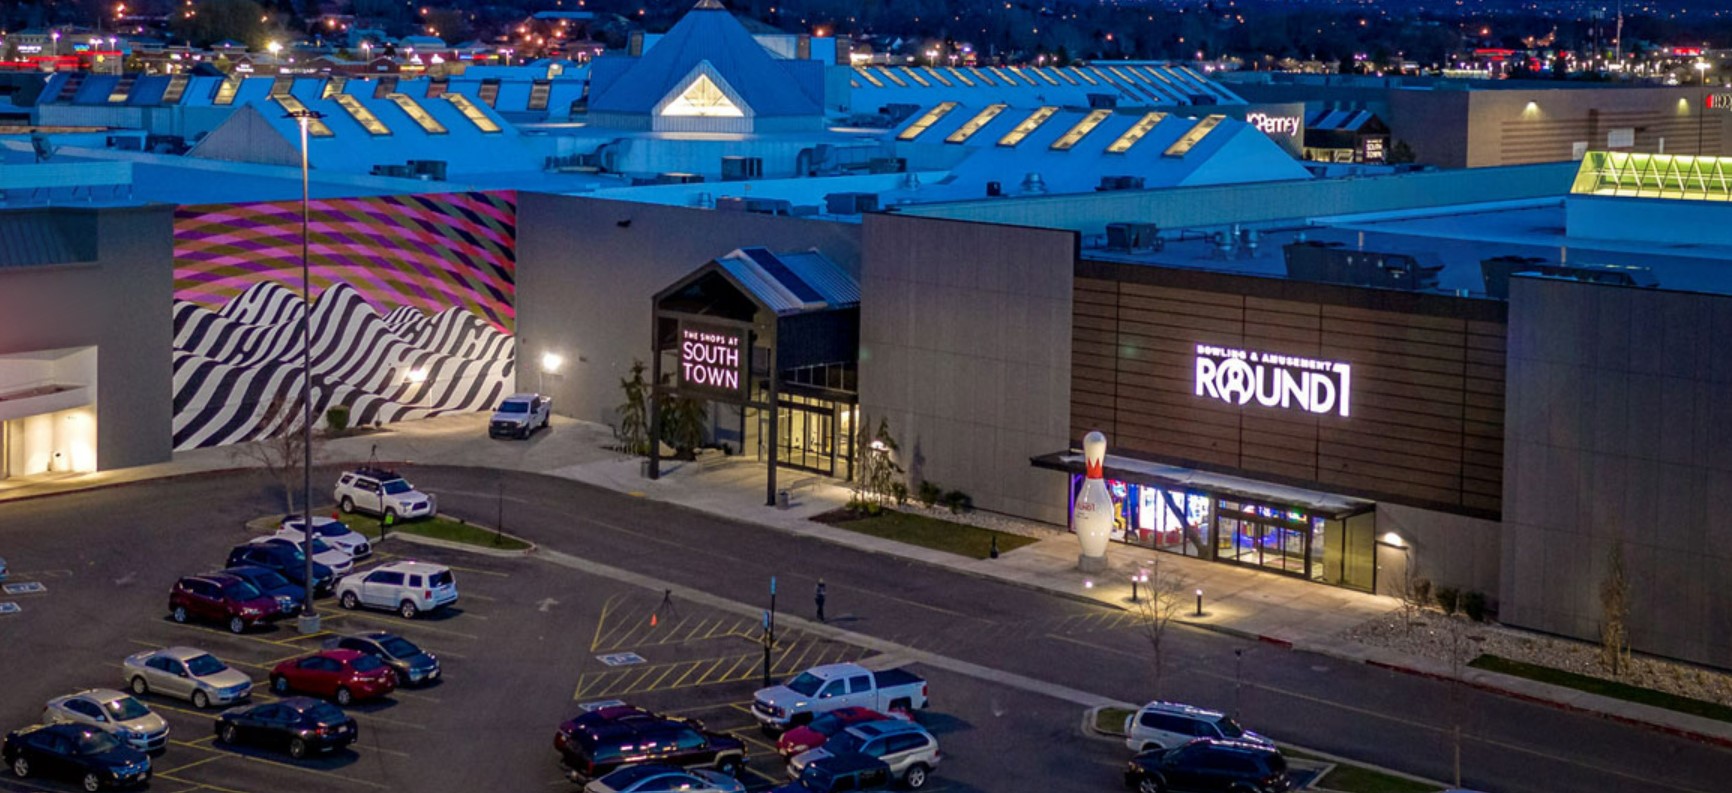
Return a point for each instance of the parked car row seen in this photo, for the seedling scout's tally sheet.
(1185, 749)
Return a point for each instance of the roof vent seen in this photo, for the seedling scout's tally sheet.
(911, 181)
(1033, 184)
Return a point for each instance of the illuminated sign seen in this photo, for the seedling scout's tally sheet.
(1372, 150)
(711, 358)
(1238, 377)
(1274, 125)
(1718, 101)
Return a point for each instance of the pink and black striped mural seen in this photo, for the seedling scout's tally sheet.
(413, 311)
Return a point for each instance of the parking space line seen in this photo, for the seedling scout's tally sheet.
(708, 672)
(609, 640)
(477, 570)
(320, 772)
(358, 616)
(729, 675)
(482, 598)
(195, 763)
(744, 734)
(692, 666)
(629, 687)
(606, 606)
(174, 709)
(664, 676)
(197, 785)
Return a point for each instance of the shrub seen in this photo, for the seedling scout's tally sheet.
(1447, 598)
(1473, 605)
(958, 502)
(337, 419)
(899, 491)
(1422, 592)
(930, 493)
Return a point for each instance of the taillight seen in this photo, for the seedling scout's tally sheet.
(427, 594)
(923, 691)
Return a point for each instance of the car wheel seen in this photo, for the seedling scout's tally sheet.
(297, 748)
(344, 697)
(200, 700)
(92, 782)
(408, 610)
(139, 687)
(21, 767)
(347, 504)
(1150, 785)
(178, 614)
(279, 684)
(916, 777)
(349, 601)
(229, 734)
(391, 515)
(729, 766)
(237, 625)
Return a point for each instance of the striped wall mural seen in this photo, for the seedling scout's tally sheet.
(412, 315)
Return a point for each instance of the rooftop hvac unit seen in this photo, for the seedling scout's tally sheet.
(429, 169)
(994, 189)
(1033, 184)
(1329, 263)
(1133, 237)
(1120, 183)
(898, 111)
(737, 169)
(1204, 99)
(400, 171)
(1498, 269)
(850, 203)
(678, 178)
(760, 206)
(886, 165)
(1103, 102)
(1497, 272)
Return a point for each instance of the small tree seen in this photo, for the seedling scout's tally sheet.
(1399, 154)
(877, 471)
(1162, 599)
(281, 448)
(633, 432)
(683, 422)
(1614, 611)
(1413, 594)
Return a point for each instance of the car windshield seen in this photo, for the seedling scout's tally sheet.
(330, 530)
(843, 743)
(323, 713)
(514, 407)
(367, 663)
(399, 647)
(807, 684)
(292, 550)
(397, 487)
(125, 709)
(319, 546)
(241, 590)
(96, 742)
(202, 665)
(268, 579)
(1229, 728)
(441, 578)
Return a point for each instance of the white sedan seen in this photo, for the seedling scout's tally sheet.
(333, 532)
(114, 712)
(324, 553)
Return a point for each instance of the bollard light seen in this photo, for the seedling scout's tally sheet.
(1088, 583)
(1199, 602)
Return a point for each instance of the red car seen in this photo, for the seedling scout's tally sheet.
(341, 675)
(813, 734)
(222, 598)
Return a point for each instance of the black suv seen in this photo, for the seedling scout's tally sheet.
(1209, 766)
(284, 559)
(847, 771)
(598, 742)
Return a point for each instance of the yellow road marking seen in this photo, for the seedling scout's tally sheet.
(477, 570)
(339, 777)
(606, 606)
(198, 785)
(708, 672)
(664, 676)
(692, 666)
(408, 624)
(193, 764)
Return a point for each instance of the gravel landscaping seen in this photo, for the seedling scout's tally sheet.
(986, 520)
(1433, 635)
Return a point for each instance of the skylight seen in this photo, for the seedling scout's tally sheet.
(915, 76)
(419, 114)
(290, 104)
(876, 83)
(892, 76)
(926, 121)
(226, 91)
(973, 125)
(1194, 136)
(1135, 133)
(1082, 128)
(1028, 125)
(361, 114)
(703, 98)
(176, 88)
(471, 112)
(1637, 175)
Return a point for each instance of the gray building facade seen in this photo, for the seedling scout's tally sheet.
(1617, 439)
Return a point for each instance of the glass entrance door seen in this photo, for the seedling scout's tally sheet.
(806, 438)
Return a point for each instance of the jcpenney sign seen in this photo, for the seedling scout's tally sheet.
(710, 358)
(1274, 125)
(1278, 381)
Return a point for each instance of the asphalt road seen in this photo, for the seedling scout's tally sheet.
(109, 556)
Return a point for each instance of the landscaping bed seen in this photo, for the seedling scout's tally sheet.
(927, 532)
(452, 530)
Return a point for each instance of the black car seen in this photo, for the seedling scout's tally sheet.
(94, 758)
(300, 725)
(413, 664)
(288, 594)
(286, 560)
(1208, 765)
(596, 743)
(848, 771)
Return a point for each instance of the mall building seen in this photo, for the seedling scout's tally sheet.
(1491, 378)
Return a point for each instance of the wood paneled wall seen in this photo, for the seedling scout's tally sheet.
(1426, 423)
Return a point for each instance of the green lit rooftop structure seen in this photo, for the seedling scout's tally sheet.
(1633, 175)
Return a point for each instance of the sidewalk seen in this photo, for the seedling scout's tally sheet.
(1237, 601)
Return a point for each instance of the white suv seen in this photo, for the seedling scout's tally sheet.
(409, 588)
(1164, 725)
(377, 491)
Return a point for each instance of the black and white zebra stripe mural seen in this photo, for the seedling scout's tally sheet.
(238, 370)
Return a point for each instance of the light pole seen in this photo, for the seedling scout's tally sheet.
(1702, 117)
(309, 620)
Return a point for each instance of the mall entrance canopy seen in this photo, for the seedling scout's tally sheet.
(777, 337)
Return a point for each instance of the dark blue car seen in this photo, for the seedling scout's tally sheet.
(78, 753)
(285, 559)
(273, 584)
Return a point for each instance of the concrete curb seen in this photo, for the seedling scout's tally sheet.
(435, 542)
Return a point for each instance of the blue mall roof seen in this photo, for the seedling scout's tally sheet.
(767, 85)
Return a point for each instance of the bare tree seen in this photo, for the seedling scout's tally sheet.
(1162, 600)
(280, 449)
(1415, 594)
(1614, 612)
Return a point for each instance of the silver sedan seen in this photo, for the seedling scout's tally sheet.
(113, 712)
(188, 673)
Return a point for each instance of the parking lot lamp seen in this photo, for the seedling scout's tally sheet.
(309, 619)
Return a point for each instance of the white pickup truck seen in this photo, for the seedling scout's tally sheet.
(822, 689)
(519, 415)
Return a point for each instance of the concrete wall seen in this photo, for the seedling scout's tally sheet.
(965, 347)
(587, 268)
(1646, 220)
(1514, 127)
(1617, 423)
(1450, 550)
(116, 297)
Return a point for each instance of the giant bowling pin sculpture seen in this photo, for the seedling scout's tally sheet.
(1093, 516)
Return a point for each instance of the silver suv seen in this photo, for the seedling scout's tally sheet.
(1164, 725)
(383, 492)
(907, 748)
(408, 588)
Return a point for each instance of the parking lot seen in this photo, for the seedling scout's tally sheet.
(526, 644)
